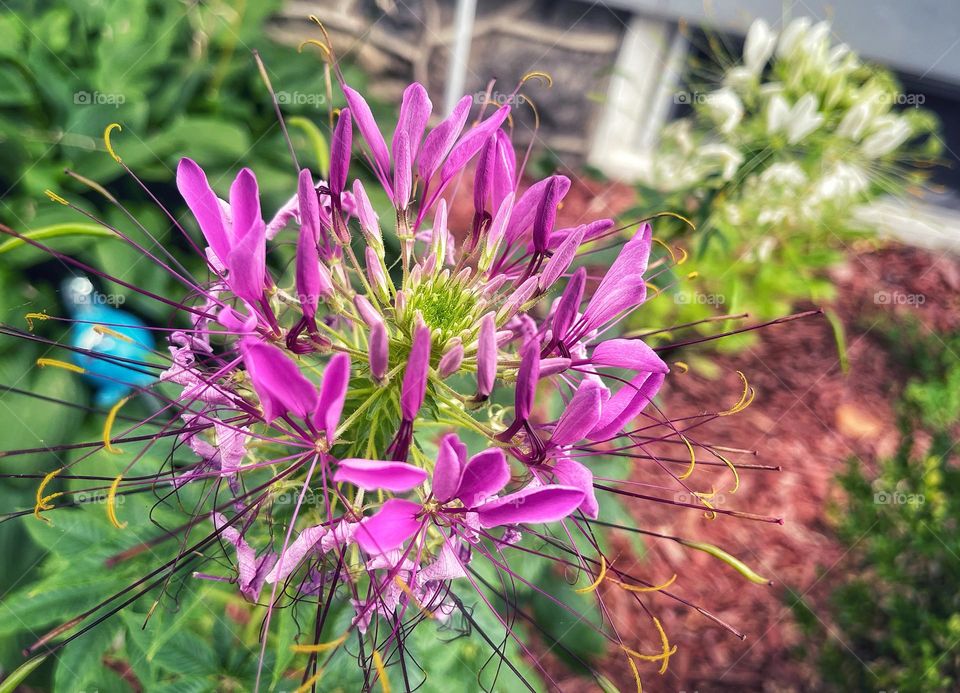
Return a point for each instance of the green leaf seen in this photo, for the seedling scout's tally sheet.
(11, 683)
(319, 143)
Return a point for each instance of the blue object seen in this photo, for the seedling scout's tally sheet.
(112, 380)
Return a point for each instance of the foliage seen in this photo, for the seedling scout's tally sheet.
(897, 611)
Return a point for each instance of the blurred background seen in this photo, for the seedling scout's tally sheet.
(813, 163)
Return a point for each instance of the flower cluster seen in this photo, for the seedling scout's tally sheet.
(801, 130)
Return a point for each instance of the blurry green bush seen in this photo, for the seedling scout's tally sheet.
(896, 614)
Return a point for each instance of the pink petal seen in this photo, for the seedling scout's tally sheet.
(203, 203)
(415, 376)
(562, 258)
(538, 504)
(484, 475)
(486, 355)
(402, 174)
(379, 350)
(447, 472)
(306, 542)
(525, 209)
(626, 404)
(371, 475)
(546, 215)
(581, 415)
(415, 109)
(618, 298)
(277, 380)
(632, 260)
(471, 143)
(527, 376)
(333, 393)
(571, 473)
(369, 130)
(441, 139)
(569, 304)
(307, 273)
(340, 150)
(392, 525)
(451, 361)
(628, 353)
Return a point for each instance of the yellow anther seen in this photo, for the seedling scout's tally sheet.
(600, 576)
(406, 589)
(103, 329)
(543, 77)
(321, 646)
(56, 198)
(56, 363)
(693, 457)
(685, 256)
(313, 42)
(112, 504)
(30, 317)
(736, 474)
(682, 367)
(663, 657)
(636, 673)
(309, 683)
(106, 140)
(746, 398)
(673, 257)
(108, 424)
(43, 502)
(381, 671)
(654, 588)
(693, 275)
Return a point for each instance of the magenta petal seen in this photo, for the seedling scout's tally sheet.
(451, 361)
(560, 262)
(402, 172)
(379, 350)
(581, 415)
(371, 475)
(451, 458)
(277, 381)
(527, 376)
(626, 404)
(203, 203)
(626, 294)
(631, 262)
(393, 524)
(441, 139)
(245, 205)
(333, 392)
(628, 353)
(537, 504)
(308, 277)
(569, 304)
(340, 149)
(484, 475)
(486, 355)
(571, 473)
(306, 542)
(415, 375)
(471, 143)
(369, 130)
(247, 260)
(546, 215)
(525, 209)
(415, 109)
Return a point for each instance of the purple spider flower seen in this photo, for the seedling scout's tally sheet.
(338, 382)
